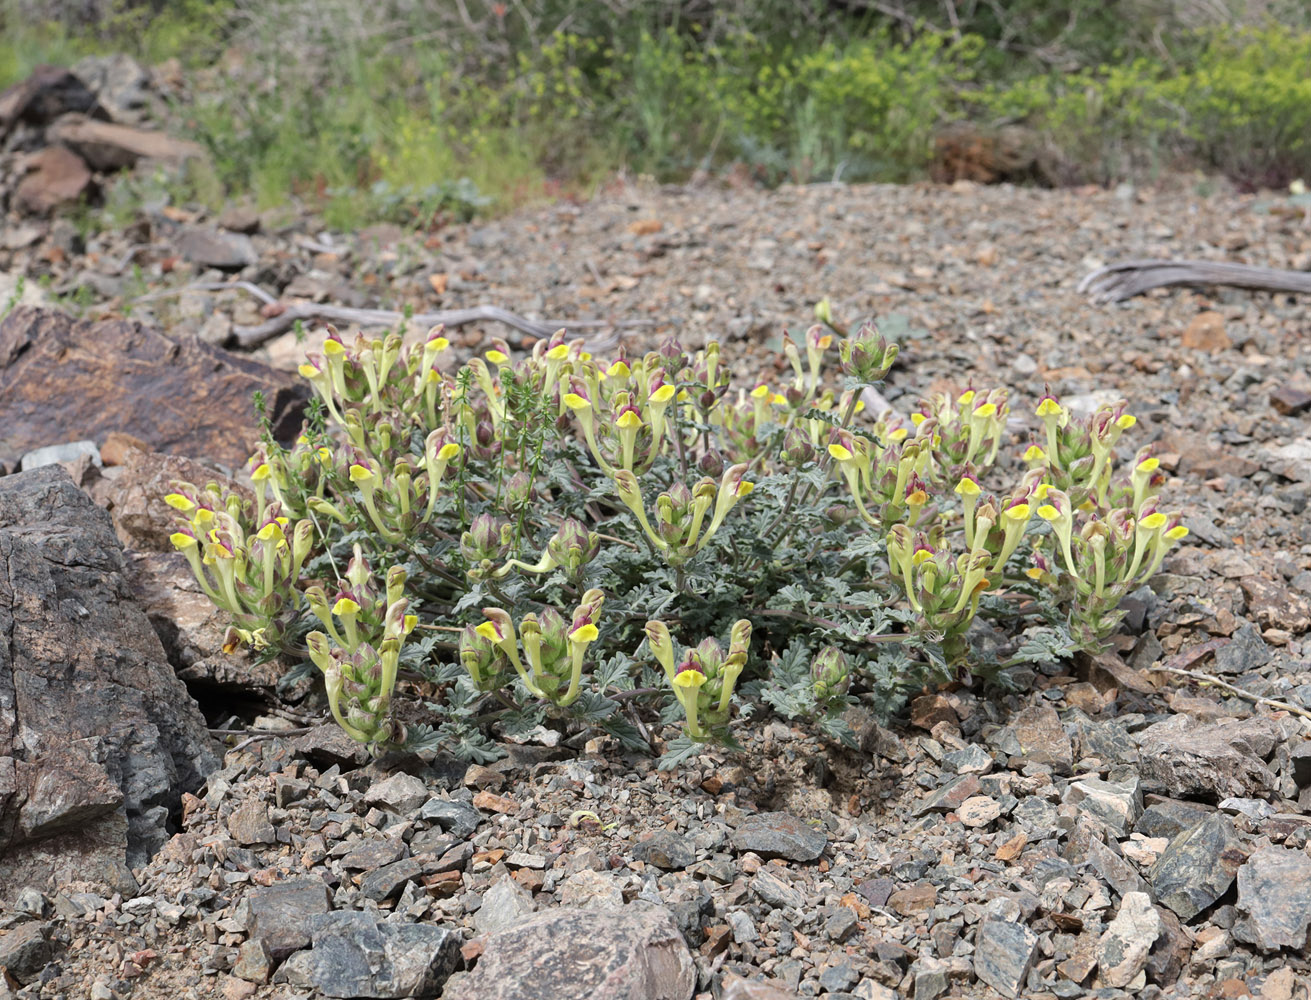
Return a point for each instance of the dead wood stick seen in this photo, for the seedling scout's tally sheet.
(250, 336)
(1205, 679)
(1118, 282)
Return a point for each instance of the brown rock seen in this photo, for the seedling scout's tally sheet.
(47, 93)
(914, 899)
(135, 497)
(107, 146)
(53, 176)
(928, 710)
(1206, 332)
(635, 952)
(1273, 604)
(185, 397)
(118, 446)
(1043, 739)
(495, 803)
(1290, 401)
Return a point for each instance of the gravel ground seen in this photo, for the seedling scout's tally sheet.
(1141, 836)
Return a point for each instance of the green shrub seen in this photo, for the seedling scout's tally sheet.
(558, 537)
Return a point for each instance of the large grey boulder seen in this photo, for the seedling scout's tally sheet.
(98, 738)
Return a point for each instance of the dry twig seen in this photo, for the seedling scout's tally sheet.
(1202, 678)
(1118, 282)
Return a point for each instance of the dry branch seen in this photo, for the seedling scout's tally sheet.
(1133, 277)
(250, 336)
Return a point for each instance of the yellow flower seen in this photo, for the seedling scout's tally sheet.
(1149, 465)
(1049, 408)
(967, 487)
(262, 472)
(690, 679)
(986, 410)
(558, 353)
(361, 474)
(1177, 532)
(629, 420)
(1049, 513)
(663, 395)
(1034, 454)
(178, 502)
(496, 357)
(575, 401)
(448, 452)
(841, 453)
(1020, 512)
(345, 606)
(181, 540)
(584, 633)
(1126, 421)
(619, 369)
(1153, 521)
(488, 631)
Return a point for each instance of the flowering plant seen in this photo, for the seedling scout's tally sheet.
(528, 511)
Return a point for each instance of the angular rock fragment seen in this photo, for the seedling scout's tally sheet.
(1123, 950)
(1198, 867)
(1274, 891)
(1182, 758)
(635, 953)
(279, 914)
(357, 955)
(779, 835)
(1003, 952)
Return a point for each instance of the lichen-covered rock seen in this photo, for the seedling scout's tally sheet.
(97, 735)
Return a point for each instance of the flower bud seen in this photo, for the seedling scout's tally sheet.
(711, 464)
(573, 547)
(830, 674)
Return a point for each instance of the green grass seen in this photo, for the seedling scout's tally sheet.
(368, 113)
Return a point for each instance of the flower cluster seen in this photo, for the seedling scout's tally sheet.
(553, 648)
(529, 482)
(247, 558)
(359, 649)
(704, 678)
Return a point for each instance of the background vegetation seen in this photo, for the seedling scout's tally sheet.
(378, 110)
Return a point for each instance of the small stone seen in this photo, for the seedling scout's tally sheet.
(504, 904)
(401, 794)
(1290, 401)
(1206, 332)
(1272, 892)
(775, 891)
(1198, 867)
(608, 955)
(666, 849)
(978, 811)
(972, 760)
(779, 835)
(457, 818)
(1114, 870)
(249, 823)
(1122, 951)
(914, 899)
(278, 914)
(1169, 817)
(1043, 739)
(592, 890)
(1003, 952)
(1118, 805)
(928, 710)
